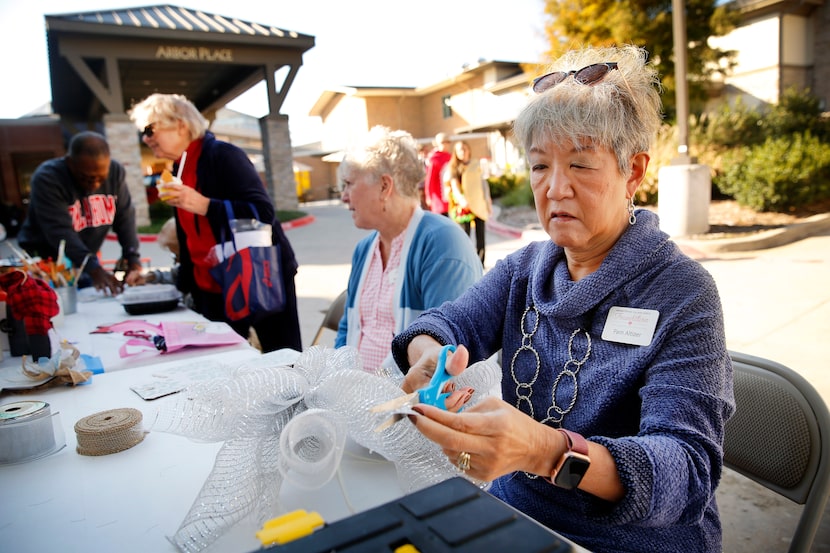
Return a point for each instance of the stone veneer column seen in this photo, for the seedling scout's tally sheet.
(125, 148)
(279, 162)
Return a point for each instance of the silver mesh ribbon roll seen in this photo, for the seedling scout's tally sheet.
(291, 421)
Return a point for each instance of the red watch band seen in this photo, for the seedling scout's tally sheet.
(575, 442)
(574, 462)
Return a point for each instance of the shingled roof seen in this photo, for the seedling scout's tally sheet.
(165, 17)
(209, 58)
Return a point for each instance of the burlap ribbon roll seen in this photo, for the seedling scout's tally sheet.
(109, 431)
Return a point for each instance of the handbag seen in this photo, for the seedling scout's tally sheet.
(251, 275)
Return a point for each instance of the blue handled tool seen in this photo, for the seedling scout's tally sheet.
(432, 394)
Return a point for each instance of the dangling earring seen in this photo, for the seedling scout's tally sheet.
(631, 217)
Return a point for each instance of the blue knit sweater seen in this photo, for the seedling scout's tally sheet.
(660, 409)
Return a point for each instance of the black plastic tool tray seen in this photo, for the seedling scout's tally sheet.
(453, 516)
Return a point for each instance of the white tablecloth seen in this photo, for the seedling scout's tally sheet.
(102, 310)
(133, 500)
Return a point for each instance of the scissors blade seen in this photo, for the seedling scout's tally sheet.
(392, 419)
(397, 408)
(396, 403)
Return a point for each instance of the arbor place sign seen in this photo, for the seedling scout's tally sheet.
(194, 53)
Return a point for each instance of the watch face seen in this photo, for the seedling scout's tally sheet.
(571, 471)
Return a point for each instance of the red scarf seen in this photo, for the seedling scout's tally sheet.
(200, 239)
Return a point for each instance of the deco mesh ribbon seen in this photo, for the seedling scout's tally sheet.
(282, 421)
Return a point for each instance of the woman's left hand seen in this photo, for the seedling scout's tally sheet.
(184, 197)
(420, 374)
(499, 438)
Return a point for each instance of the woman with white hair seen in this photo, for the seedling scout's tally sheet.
(412, 261)
(214, 171)
(617, 382)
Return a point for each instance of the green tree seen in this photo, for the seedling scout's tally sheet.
(647, 23)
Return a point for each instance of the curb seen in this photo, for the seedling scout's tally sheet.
(761, 240)
(504, 230)
(700, 247)
(301, 222)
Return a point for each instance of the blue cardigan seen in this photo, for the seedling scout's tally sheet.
(660, 409)
(438, 263)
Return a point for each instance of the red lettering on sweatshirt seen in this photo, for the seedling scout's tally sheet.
(93, 211)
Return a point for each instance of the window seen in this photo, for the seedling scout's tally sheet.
(446, 105)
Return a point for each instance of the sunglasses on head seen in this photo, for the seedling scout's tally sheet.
(148, 131)
(588, 75)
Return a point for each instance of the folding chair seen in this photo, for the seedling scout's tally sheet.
(332, 318)
(779, 437)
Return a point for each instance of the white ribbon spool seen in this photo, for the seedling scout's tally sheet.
(28, 431)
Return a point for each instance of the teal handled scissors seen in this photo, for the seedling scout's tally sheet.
(433, 394)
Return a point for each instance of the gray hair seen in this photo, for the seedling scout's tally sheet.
(167, 110)
(622, 112)
(387, 152)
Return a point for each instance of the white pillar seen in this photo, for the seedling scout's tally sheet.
(684, 193)
(279, 163)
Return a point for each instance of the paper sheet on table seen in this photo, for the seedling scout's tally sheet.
(170, 381)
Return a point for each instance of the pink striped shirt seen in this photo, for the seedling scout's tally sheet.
(377, 320)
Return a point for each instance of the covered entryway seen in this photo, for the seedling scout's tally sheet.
(103, 62)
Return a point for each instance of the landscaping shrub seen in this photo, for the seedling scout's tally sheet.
(505, 183)
(782, 173)
(771, 158)
(522, 195)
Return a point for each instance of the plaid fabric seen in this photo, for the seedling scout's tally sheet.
(31, 300)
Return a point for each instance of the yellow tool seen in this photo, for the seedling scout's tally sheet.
(289, 527)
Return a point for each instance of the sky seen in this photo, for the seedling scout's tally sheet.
(357, 43)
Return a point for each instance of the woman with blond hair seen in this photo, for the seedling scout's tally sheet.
(470, 204)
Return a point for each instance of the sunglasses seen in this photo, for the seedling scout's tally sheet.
(588, 75)
(148, 131)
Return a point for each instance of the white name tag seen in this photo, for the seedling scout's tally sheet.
(628, 325)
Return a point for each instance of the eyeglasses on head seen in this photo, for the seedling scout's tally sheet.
(588, 75)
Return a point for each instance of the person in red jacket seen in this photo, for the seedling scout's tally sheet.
(436, 197)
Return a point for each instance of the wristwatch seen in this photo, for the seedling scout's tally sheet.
(573, 464)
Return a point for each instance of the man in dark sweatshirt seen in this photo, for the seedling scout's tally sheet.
(79, 198)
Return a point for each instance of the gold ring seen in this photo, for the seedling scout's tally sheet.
(463, 461)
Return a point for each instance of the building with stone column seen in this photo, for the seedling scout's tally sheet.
(103, 62)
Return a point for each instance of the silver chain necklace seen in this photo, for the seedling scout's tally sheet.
(570, 369)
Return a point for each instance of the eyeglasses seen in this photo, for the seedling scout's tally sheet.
(148, 131)
(588, 75)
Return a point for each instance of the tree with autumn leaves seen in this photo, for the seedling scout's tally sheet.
(647, 23)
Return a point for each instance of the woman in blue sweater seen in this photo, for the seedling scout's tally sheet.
(617, 381)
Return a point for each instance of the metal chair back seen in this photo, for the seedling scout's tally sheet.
(779, 437)
(332, 317)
